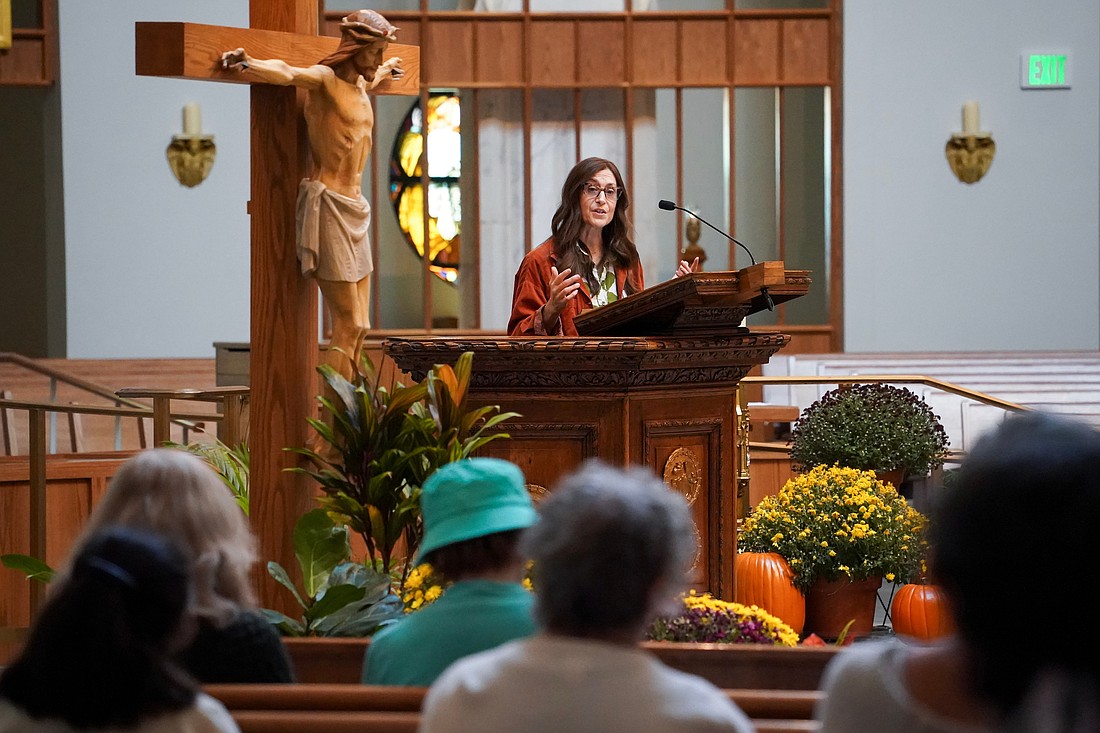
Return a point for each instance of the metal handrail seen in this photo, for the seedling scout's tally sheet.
(187, 422)
(890, 378)
(743, 446)
(60, 376)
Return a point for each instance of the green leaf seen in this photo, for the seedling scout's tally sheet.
(286, 625)
(349, 573)
(320, 545)
(276, 571)
(361, 619)
(844, 633)
(32, 567)
(333, 599)
(230, 463)
(387, 442)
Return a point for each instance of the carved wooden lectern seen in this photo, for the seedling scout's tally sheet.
(651, 382)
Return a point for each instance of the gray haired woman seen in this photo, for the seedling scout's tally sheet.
(611, 550)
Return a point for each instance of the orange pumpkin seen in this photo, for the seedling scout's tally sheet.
(765, 580)
(921, 611)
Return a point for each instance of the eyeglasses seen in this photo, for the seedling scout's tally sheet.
(611, 193)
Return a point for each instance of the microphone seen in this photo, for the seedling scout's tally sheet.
(669, 206)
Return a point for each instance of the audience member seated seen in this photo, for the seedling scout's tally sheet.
(178, 495)
(1020, 661)
(473, 513)
(100, 652)
(611, 550)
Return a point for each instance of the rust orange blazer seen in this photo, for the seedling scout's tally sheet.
(532, 290)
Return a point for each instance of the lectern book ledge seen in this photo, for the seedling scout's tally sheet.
(697, 304)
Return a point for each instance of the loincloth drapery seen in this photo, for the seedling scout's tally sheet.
(333, 234)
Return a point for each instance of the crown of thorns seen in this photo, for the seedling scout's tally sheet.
(367, 26)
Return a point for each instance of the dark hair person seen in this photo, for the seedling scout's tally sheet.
(588, 261)
(1033, 483)
(473, 512)
(100, 652)
(1030, 484)
(179, 496)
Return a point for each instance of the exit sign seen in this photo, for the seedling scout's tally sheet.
(1044, 71)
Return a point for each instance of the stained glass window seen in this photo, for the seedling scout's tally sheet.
(444, 168)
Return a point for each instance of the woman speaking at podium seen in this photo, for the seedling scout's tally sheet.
(589, 260)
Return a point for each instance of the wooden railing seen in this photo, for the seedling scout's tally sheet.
(266, 708)
(232, 428)
(231, 432)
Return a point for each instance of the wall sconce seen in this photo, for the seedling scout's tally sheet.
(191, 155)
(970, 153)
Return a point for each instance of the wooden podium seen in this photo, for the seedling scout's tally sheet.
(651, 382)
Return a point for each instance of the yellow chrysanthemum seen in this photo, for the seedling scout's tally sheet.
(832, 519)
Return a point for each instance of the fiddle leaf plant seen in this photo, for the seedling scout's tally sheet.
(339, 597)
(380, 445)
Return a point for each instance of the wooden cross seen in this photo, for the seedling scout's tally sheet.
(284, 347)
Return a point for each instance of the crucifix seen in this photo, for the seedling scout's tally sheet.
(284, 346)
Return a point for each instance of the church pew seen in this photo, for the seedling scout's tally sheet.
(318, 696)
(776, 704)
(298, 721)
(747, 666)
(271, 708)
(332, 659)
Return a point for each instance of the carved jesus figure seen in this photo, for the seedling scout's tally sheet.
(333, 216)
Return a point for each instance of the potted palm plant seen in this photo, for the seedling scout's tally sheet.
(375, 450)
(381, 444)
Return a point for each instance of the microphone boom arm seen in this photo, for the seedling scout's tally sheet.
(669, 206)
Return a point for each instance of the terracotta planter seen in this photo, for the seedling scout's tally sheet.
(323, 660)
(327, 659)
(831, 604)
(894, 476)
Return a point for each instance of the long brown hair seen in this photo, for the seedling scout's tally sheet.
(566, 226)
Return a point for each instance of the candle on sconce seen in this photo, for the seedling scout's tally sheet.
(970, 118)
(192, 119)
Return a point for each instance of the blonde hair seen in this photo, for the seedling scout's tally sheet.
(179, 496)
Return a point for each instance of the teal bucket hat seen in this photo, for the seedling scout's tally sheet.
(472, 498)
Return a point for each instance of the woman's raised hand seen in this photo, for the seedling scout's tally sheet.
(686, 268)
(563, 288)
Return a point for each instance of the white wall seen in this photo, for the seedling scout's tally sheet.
(155, 269)
(1010, 262)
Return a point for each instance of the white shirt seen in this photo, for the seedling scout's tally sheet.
(207, 715)
(552, 683)
(865, 691)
